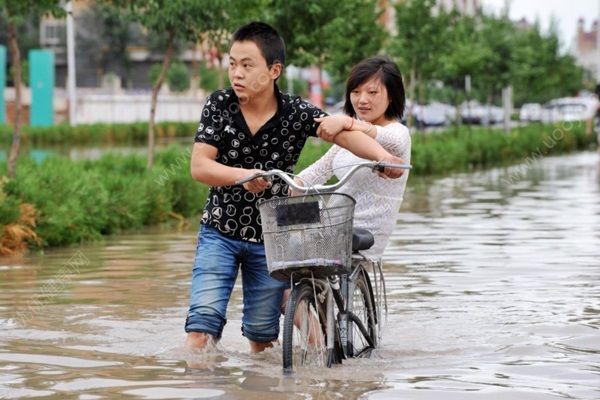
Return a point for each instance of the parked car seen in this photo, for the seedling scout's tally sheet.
(474, 113)
(570, 109)
(434, 114)
(531, 112)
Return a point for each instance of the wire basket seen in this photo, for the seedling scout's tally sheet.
(308, 235)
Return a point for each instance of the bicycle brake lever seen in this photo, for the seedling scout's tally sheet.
(382, 165)
(267, 178)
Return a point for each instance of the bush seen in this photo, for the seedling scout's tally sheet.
(209, 77)
(83, 200)
(97, 133)
(178, 77)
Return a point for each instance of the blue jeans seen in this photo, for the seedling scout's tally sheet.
(218, 258)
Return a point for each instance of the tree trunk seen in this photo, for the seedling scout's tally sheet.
(220, 72)
(155, 89)
(411, 93)
(195, 75)
(16, 137)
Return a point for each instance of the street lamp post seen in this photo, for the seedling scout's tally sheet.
(71, 82)
(598, 47)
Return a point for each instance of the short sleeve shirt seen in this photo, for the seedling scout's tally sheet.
(276, 145)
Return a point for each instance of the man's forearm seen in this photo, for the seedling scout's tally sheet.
(361, 145)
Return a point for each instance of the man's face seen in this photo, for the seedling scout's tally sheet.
(248, 71)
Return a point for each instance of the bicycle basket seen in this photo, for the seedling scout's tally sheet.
(309, 234)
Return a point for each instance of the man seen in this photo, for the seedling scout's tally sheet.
(243, 130)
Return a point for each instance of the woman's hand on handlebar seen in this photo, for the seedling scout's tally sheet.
(256, 185)
(292, 191)
(388, 172)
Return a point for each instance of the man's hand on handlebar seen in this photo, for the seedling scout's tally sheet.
(256, 185)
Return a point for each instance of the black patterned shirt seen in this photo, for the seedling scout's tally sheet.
(276, 145)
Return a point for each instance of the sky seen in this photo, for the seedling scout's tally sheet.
(566, 12)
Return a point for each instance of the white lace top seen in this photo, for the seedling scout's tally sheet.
(377, 199)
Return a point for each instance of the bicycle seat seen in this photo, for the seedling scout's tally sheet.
(362, 239)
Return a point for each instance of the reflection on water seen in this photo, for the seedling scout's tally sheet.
(494, 287)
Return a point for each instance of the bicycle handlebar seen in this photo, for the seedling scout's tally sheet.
(374, 165)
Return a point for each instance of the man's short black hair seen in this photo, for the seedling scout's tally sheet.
(387, 71)
(267, 39)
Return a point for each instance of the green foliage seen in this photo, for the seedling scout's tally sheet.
(467, 149)
(420, 40)
(492, 50)
(298, 87)
(98, 133)
(83, 200)
(178, 77)
(24, 72)
(9, 206)
(103, 35)
(183, 18)
(16, 11)
(311, 152)
(154, 73)
(329, 33)
(209, 77)
(80, 201)
(226, 16)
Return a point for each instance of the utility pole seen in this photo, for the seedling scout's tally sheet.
(71, 82)
(598, 47)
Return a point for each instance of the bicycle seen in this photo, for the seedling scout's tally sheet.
(334, 311)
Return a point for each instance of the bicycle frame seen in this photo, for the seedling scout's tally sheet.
(337, 289)
(333, 291)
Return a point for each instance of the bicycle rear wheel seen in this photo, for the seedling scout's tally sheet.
(304, 330)
(361, 322)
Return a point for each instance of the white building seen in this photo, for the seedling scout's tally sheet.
(465, 7)
(586, 51)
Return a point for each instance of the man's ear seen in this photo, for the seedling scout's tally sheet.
(276, 70)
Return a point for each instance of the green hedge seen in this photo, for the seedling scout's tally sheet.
(440, 153)
(98, 133)
(83, 200)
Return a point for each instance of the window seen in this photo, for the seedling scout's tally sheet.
(52, 32)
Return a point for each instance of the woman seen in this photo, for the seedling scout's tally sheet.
(374, 105)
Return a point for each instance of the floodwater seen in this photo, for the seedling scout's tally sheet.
(494, 293)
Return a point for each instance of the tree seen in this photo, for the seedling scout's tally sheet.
(14, 13)
(420, 42)
(538, 71)
(228, 15)
(329, 33)
(175, 19)
(103, 34)
(496, 37)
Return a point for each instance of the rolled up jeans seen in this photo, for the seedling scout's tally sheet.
(218, 259)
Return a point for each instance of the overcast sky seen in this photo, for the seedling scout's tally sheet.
(566, 12)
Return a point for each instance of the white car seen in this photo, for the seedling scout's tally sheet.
(531, 112)
(475, 113)
(434, 114)
(570, 109)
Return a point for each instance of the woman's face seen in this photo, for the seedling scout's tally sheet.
(370, 100)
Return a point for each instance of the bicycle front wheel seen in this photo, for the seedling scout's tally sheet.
(304, 330)
(361, 324)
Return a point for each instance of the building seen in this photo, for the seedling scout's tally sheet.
(586, 50)
(465, 7)
(388, 16)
